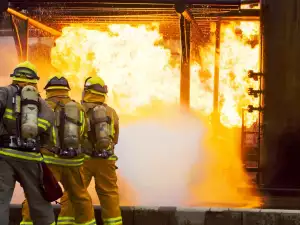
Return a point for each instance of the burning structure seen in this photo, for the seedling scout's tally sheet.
(205, 56)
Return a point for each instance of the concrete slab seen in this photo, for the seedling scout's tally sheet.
(190, 216)
(290, 219)
(150, 216)
(261, 218)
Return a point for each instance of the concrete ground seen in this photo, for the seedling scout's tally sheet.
(193, 216)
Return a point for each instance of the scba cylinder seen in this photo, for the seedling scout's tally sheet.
(71, 128)
(102, 124)
(29, 115)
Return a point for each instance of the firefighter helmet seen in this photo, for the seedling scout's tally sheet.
(57, 82)
(95, 85)
(25, 72)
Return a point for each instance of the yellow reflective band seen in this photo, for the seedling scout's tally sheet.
(92, 222)
(42, 126)
(47, 123)
(21, 155)
(113, 158)
(113, 127)
(9, 117)
(87, 157)
(65, 162)
(82, 121)
(54, 135)
(97, 92)
(8, 114)
(52, 223)
(65, 220)
(26, 223)
(33, 81)
(57, 88)
(113, 221)
(65, 223)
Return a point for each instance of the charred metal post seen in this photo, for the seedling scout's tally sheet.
(216, 115)
(20, 29)
(185, 38)
(282, 92)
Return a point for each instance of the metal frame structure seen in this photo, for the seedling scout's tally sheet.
(192, 13)
(185, 15)
(51, 16)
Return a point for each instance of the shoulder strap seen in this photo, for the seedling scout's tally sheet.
(57, 103)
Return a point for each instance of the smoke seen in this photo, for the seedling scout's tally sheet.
(156, 155)
(9, 59)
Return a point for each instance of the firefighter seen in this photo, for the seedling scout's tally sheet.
(66, 159)
(101, 162)
(25, 128)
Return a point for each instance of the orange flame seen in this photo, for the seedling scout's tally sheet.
(136, 67)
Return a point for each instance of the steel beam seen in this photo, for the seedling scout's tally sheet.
(185, 39)
(34, 22)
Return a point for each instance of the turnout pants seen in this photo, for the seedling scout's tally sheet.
(104, 173)
(28, 173)
(72, 180)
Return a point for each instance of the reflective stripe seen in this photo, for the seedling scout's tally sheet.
(87, 156)
(31, 223)
(113, 158)
(9, 117)
(20, 154)
(82, 121)
(65, 162)
(9, 114)
(113, 221)
(8, 110)
(92, 222)
(42, 123)
(33, 81)
(47, 123)
(26, 223)
(65, 220)
(54, 135)
(42, 126)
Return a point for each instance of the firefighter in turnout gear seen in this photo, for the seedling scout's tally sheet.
(25, 129)
(101, 162)
(66, 158)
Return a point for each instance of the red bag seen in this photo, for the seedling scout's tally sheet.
(51, 188)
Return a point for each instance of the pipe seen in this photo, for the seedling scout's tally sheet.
(34, 22)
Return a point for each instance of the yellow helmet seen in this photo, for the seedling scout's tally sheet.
(57, 82)
(25, 72)
(95, 85)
